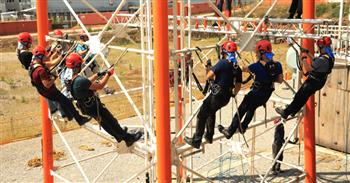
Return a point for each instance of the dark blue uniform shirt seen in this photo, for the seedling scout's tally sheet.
(261, 75)
(226, 75)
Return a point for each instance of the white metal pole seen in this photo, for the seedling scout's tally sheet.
(70, 152)
(189, 36)
(112, 18)
(105, 168)
(340, 24)
(150, 79)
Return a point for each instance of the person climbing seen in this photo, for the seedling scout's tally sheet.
(84, 91)
(44, 82)
(296, 7)
(224, 76)
(23, 49)
(316, 73)
(267, 72)
(82, 49)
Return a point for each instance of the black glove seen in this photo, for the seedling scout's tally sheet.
(102, 73)
(304, 50)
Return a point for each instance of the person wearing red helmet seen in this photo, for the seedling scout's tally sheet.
(224, 77)
(23, 53)
(316, 72)
(44, 82)
(84, 91)
(266, 72)
(58, 33)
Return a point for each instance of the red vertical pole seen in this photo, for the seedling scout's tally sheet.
(47, 150)
(161, 65)
(179, 87)
(309, 119)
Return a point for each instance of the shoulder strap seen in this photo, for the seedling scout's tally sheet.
(32, 68)
(331, 62)
(70, 85)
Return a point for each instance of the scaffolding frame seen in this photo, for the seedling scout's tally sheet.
(183, 119)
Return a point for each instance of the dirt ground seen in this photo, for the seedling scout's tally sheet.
(332, 166)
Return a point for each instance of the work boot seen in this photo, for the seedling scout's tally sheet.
(274, 171)
(132, 138)
(281, 112)
(81, 120)
(108, 90)
(193, 143)
(224, 131)
(298, 16)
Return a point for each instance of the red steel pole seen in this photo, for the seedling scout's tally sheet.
(179, 86)
(161, 65)
(47, 150)
(309, 118)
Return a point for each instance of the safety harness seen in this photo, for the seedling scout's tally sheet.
(39, 86)
(87, 103)
(323, 75)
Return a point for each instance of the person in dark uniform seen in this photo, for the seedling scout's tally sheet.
(84, 90)
(44, 82)
(224, 76)
(266, 72)
(316, 72)
(23, 49)
(296, 7)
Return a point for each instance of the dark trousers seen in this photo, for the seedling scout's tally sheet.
(66, 105)
(108, 122)
(206, 115)
(308, 88)
(54, 106)
(296, 6)
(277, 144)
(246, 109)
(220, 5)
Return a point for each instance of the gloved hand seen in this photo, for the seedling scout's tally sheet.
(110, 71)
(304, 50)
(304, 55)
(102, 73)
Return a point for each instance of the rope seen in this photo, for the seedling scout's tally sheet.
(240, 125)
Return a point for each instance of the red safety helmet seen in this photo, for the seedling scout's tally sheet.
(229, 46)
(39, 51)
(324, 41)
(25, 37)
(264, 46)
(73, 60)
(58, 33)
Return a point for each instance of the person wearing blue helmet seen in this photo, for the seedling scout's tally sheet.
(224, 77)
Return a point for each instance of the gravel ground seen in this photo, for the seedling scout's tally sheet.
(331, 165)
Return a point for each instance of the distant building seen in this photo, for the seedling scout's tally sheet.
(2, 6)
(17, 5)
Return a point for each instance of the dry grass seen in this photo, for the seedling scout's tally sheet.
(20, 109)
